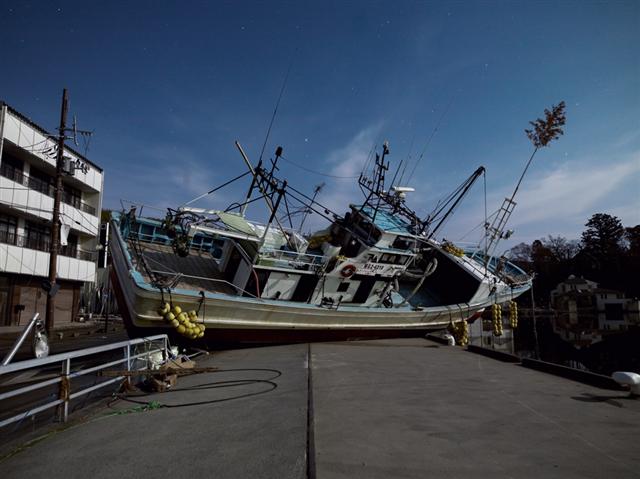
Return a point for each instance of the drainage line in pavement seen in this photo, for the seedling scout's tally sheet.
(311, 450)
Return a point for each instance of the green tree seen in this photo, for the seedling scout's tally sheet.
(603, 236)
(632, 237)
(105, 216)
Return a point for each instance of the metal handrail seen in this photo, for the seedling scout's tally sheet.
(64, 379)
(293, 256)
(202, 278)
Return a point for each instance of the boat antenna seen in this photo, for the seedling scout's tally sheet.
(393, 181)
(413, 138)
(316, 192)
(275, 110)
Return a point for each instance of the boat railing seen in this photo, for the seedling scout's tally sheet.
(289, 259)
(177, 277)
(476, 265)
(116, 363)
(507, 271)
(165, 240)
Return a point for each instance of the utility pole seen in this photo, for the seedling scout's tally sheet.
(55, 221)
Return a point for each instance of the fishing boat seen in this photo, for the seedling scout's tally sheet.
(216, 276)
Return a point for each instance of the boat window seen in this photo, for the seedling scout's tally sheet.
(402, 243)
(392, 259)
(147, 231)
(342, 287)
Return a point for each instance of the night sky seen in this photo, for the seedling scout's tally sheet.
(168, 86)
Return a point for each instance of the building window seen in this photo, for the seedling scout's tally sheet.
(8, 229)
(613, 312)
(11, 168)
(71, 196)
(41, 182)
(71, 249)
(37, 237)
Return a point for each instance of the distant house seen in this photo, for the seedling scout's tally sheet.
(585, 312)
(27, 172)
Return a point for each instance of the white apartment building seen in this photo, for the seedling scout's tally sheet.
(27, 179)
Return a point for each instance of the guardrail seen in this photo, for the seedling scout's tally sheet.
(131, 358)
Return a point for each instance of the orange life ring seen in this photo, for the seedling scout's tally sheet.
(348, 271)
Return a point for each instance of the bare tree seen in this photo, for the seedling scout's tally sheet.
(561, 248)
(543, 132)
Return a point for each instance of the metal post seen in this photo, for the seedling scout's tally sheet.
(65, 388)
(127, 354)
(20, 340)
(107, 294)
(535, 326)
(55, 220)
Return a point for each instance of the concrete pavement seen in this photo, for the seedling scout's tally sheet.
(375, 409)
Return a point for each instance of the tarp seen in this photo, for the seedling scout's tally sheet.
(236, 223)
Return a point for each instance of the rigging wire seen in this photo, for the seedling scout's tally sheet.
(478, 225)
(142, 205)
(215, 189)
(275, 110)
(317, 172)
(433, 132)
(369, 157)
(486, 219)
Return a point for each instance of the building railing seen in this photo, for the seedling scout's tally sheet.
(40, 243)
(44, 187)
(136, 355)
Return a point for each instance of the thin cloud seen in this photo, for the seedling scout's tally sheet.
(573, 190)
(560, 201)
(175, 177)
(348, 161)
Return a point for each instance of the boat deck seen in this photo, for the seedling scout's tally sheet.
(406, 408)
(198, 271)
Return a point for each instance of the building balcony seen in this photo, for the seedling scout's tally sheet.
(44, 187)
(30, 256)
(43, 244)
(36, 200)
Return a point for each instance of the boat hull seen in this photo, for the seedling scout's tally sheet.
(231, 319)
